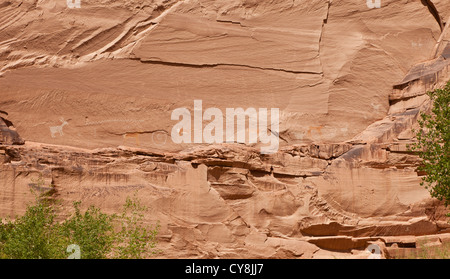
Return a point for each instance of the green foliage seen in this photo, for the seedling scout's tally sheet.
(33, 236)
(92, 230)
(37, 234)
(433, 145)
(136, 239)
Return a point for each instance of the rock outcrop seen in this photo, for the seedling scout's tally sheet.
(8, 134)
(93, 97)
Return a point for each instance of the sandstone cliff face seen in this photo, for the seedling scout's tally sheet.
(91, 90)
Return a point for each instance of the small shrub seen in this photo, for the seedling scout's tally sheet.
(33, 236)
(37, 234)
(136, 240)
(92, 231)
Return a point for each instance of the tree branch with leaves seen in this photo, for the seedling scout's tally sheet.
(432, 144)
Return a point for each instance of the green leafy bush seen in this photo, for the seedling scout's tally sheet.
(433, 145)
(136, 240)
(92, 231)
(37, 234)
(32, 236)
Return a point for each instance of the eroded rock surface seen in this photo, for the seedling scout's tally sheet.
(92, 91)
(8, 133)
